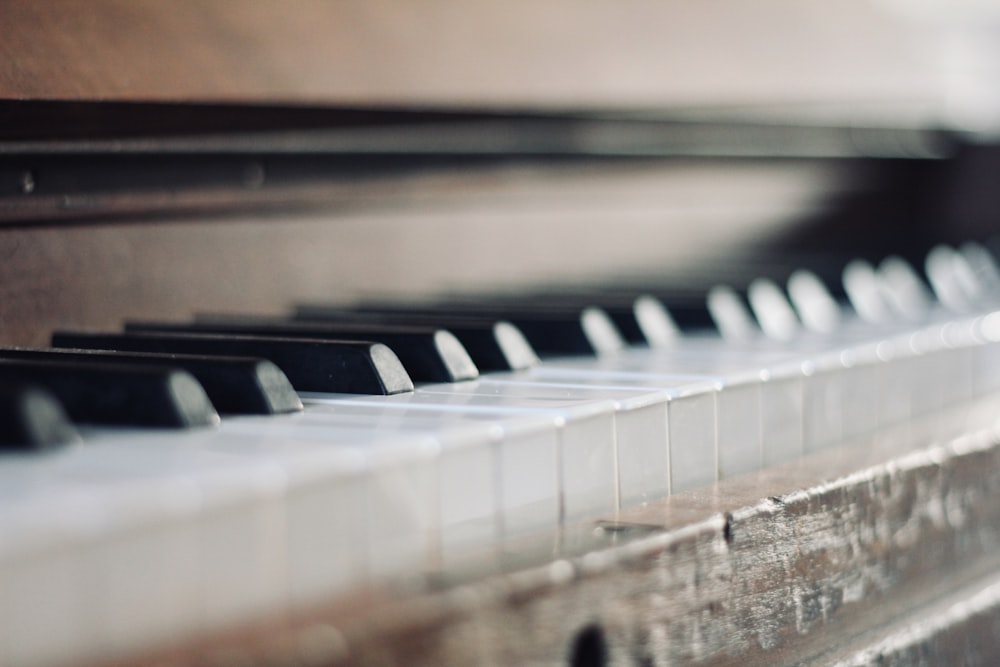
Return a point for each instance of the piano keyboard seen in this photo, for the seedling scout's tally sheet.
(134, 539)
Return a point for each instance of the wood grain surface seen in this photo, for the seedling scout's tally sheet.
(645, 53)
(411, 237)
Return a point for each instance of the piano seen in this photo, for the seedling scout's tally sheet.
(662, 347)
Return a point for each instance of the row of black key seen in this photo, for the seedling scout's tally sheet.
(182, 375)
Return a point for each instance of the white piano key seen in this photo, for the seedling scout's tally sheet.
(841, 396)
(108, 547)
(862, 368)
(739, 428)
(45, 529)
(692, 420)
(782, 413)
(779, 431)
(325, 519)
(399, 499)
(959, 342)
(759, 402)
(240, 520)
(516, 465)
(585, 452)
(986, 368)
(823, 402)
(831, 383)
(145, 538)
(528, 471)
(148, 573)
(466, 494)
(929, 393)
(660, 450)
(289, 490)
(403, 517)
(475, 449)
(587, 439)
(641, 422)
(895, 379)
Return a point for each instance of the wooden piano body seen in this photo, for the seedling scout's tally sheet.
(159, 160)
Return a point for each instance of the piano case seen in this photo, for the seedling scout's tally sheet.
(158, 162)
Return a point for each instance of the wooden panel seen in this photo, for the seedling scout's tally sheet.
(562, 53)
(413, 236)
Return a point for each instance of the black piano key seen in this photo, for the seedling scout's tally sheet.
(689, 309)
(428, 354)
(691, 315)
(494, 345)
(635, 328)
(350, 367)
(119, 395)
(639, 317)
(633, 307)
(235, 385)
(32, 420)
(659, 316)
(551, 331)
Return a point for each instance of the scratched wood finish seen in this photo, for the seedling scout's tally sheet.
(884, 551)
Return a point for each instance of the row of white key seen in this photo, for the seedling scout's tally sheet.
(132, 540)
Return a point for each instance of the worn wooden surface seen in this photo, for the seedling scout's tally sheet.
(883, 551)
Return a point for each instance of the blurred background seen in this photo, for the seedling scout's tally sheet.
(919, 60)
(908, 86)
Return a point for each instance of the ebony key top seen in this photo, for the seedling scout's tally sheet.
(32, 420)
(119, 395)
(235, 385)
(551, 331)
(639, 317)
(350, 367)
(428, 354)
(494, 345)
